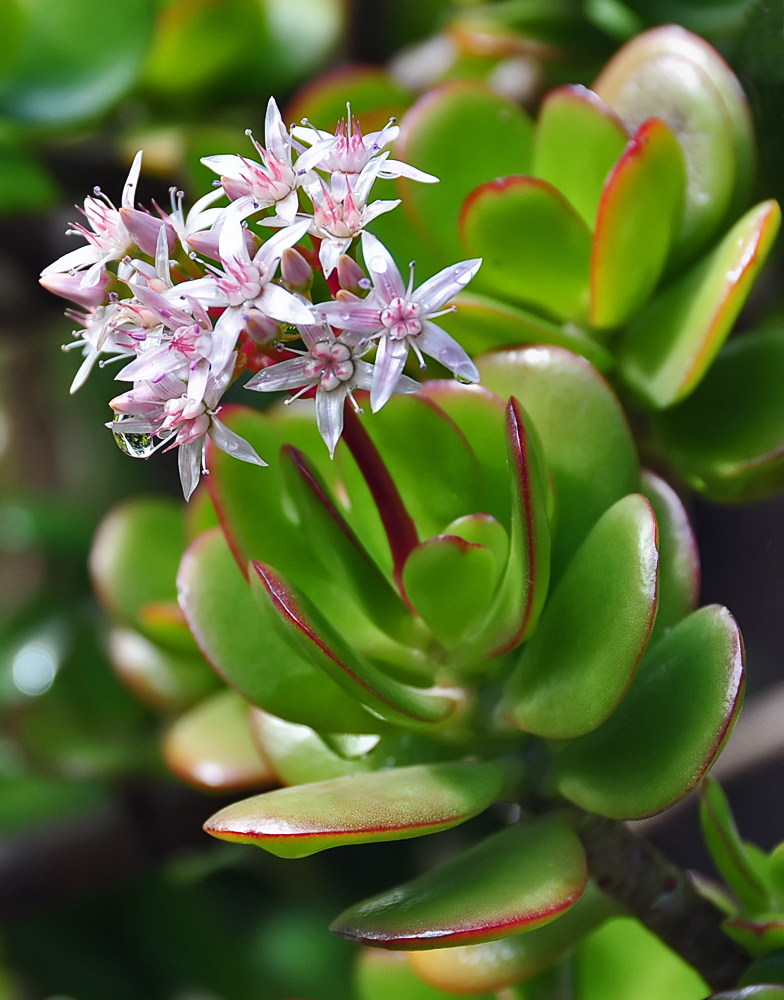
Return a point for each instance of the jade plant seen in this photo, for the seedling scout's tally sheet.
(414, 599)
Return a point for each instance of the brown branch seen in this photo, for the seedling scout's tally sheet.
(659, 894)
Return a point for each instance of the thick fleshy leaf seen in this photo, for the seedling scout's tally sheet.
(372, 92)
(386, 975)
(481, 323)
(679, 559)
(518, 879)
(587, 442)
(671, 345)
(495, 965)
(580, 661)
(727, 849)
(435, 136)
(429, 460)
(727, 438)
(297, 753)
(210, 746)
(760, 934)
(134, 559)
(340, 550)
(482, 529)
(248, 654)
(521, 593)
(450, 583)
(672, 39)
(651, 78)
(763, 991)
(535, 248)
(163, 678)
(639, 214)
(764, 971)
(394, 804)
(574, 118)
(623, 960)
(300, 624)
(669, 728)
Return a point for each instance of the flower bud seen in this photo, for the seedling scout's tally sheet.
(295, 270)
(260, 328)
(350, 274)
(69, 286)
(143, 229)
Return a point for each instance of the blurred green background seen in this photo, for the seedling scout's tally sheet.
(108, 888)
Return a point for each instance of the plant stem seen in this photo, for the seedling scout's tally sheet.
(660, 895)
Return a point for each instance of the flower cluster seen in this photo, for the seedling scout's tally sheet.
(187, 301)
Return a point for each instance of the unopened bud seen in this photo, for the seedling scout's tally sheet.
(260, 328)
(295, 270)
(350, 274)
(69, 286)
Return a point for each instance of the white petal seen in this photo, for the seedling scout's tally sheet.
(225, 164)
(197, 381)
(84, 370)
(383, 269)
(231, 244)
(275, 133)
(288, 207)
(359, 317)
(270, 252)
(129, 190)
(378, 208)
(189, 461)
(310, 135)
(438, 290)
(396, 168)
(390, 361)
(204, 289)
(329, 253)
(290, 374)
(162, 255)
(329, 415)
(281, 305)
(224, 337)
(439, 345)
(367, 178)
(151, 363)
(73, 260)
(199, 206)
(234, 445)
(338, 185)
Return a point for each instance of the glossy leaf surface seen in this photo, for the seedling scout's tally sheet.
(679, 560)
(760, 934)
(297, 753)
(579, 663)
(386, 975)
(573, 118)
(248, 653)
(300, 625)
(450, 582)
(374, 95)
(495, 965)
(645, 81)
(727, 438)
(727, 849)
(210, 746)
(518, 879)
(435, 136)
(668, 729)
(672, 343)
(639, 214)
(587, 443)
(162, 678)
(535, 248)
(764, 991)
(387, 805)
(483, 324)
(623, 960)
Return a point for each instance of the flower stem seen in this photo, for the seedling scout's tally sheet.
(657, 892)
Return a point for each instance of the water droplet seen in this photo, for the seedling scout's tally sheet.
(135, 445)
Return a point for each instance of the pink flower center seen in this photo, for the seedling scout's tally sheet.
(331, 365)
(401, 318)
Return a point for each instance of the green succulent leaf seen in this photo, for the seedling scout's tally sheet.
(302, 626)
(573, 118)
(670, 727)
(763, 991)
(679, 559)
(518, 879)
(482, 529)
(374, 96)
(247, 652)
(639, 214)
(654, 76)
(579, 663)
(760, 934)
(535, 248)
(587, 443)
(481, 324)
(727, 849)
(672, 343)
(765, 971)
(727, 438)
(298, 754)
(494, 965)
(386, 975)
(433, 137)
(393, 804)
(450, 583)
(210, 746)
